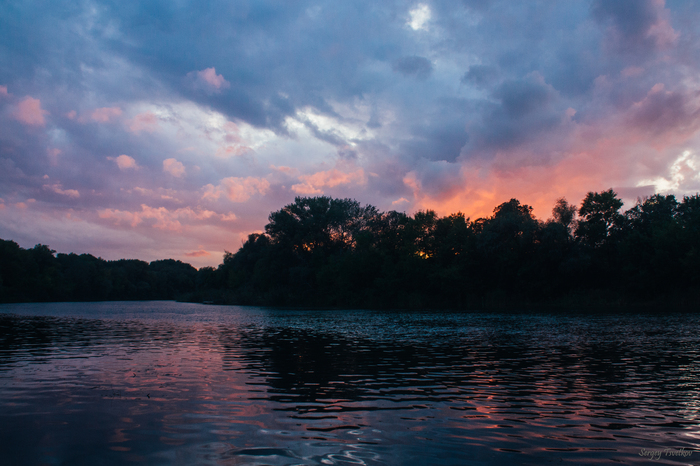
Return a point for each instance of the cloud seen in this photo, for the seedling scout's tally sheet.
(232, 151)
(3, 92)
(52, 154)
(523, 110)
(662, 111)
(418, 67)
(175, 168)
(419, 17)
(683, 176)
(316, 182)
(124, 162)
(284, 169)
(200, 253)
(147, 122)
(208, 81)
(435, 179)
(631, 71)
(105, 114)
(159, 217)
(29, 112)
(635, 25)
(481, 75)
(236, 189)
(58, 189)
(522, 97)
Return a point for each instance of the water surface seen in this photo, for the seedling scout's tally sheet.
(175, 383)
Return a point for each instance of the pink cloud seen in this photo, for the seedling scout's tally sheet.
(284, 169)
(175, 168)
(314, 184)
(661, 31)
(29, 112)
(124, 162)
(208, 80)
(52, 154)
(665, 117)
(120, 216)
(200, 253)
(232, 151)
(402, 200)
(147, 122)
(3, 91)
(58, 189)
(161, 217)
(237, 189)
(105, 114)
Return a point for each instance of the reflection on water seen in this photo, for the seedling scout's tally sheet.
(173, 383)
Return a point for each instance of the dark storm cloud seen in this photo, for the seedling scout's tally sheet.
(631, 18)
(636, 26)
(325, 135)
(523, 97)
(261, 49)
(481, 75)
(418, 67)
(521, 110)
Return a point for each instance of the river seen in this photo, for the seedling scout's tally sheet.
(175, 383)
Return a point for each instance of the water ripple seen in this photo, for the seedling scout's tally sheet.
(161, 382)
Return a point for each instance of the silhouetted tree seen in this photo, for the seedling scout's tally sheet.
(564, 214)
(599, 216)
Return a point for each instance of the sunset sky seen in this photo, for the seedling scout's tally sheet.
(171, 129)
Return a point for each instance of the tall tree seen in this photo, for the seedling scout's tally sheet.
(599, 216)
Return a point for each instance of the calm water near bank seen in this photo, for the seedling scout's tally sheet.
(176, 383)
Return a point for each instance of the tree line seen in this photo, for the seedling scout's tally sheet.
(325, 252)
(39, 274)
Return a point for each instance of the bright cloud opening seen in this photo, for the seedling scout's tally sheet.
(420, 15)
(684, 175)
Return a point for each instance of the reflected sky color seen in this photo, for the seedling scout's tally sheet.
(172, 129)
(175, 383)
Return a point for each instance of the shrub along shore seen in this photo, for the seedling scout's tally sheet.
(325, 252)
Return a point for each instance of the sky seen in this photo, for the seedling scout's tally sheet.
(171, 129)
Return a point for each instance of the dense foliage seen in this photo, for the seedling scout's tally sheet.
(38, 274)
(334, 252)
